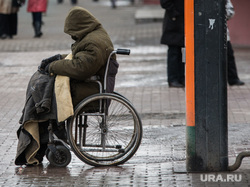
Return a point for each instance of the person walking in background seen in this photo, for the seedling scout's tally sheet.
(9, 18)
(232, 74)
(173, 36)
(73, 2)
(37, 7)
(113, 3)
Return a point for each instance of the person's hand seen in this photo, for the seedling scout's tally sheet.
(44, 66)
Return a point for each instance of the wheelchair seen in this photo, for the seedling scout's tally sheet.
(105, 130)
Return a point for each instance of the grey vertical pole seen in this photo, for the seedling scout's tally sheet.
(207, 141)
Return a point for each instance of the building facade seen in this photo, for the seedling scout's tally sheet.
(239, 25)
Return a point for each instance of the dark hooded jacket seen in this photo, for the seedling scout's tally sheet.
(173, 23)
(90, 53)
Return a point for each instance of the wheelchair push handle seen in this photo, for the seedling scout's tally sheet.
(118, 51)
(123, 51)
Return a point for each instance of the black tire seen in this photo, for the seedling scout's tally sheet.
(111, 145)
(65, 156)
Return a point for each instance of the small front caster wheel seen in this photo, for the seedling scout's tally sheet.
(62, 159)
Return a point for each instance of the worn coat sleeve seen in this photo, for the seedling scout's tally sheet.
(84, 64)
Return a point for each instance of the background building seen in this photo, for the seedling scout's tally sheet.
(239, 25)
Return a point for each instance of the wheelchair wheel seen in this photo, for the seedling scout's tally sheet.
(105, 130)
(64, 156)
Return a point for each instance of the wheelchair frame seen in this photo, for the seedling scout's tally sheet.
(107, 136)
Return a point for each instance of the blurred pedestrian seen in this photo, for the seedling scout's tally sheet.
(73, 2)
(113, 3)
(37, 7)
(232, 74)
(173, 36)
(9, 18)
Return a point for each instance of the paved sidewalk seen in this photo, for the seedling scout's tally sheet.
(142, 79)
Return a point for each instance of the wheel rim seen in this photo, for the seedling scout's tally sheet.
(123, 131)
(64, 156)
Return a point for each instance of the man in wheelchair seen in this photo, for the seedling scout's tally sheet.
(90, 52)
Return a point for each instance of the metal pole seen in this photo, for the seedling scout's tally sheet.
(206, 85)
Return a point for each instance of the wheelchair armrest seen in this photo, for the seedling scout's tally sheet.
(96, 79)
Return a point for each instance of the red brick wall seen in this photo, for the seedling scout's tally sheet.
(239, 25)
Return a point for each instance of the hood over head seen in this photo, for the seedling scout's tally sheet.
(80, 22)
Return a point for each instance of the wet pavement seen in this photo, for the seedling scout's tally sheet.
(160, 160)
